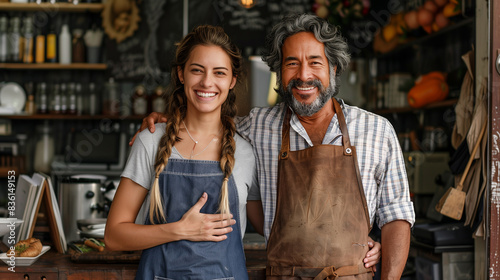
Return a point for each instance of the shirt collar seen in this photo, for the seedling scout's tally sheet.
(332, 133)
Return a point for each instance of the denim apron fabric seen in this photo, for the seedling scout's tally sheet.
(181, 185)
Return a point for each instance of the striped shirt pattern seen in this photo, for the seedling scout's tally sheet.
(380, 159)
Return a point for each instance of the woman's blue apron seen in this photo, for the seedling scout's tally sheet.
(181, 185)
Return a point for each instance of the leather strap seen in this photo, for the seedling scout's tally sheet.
(285, 137)
(319, 273)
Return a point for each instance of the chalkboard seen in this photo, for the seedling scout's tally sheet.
(146, 56)
(248, 27)
(142, 57)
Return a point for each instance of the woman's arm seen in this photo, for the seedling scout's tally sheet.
(123, 234)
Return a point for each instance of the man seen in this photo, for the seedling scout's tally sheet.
(319, 204)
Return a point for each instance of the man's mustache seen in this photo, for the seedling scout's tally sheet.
(299, 83)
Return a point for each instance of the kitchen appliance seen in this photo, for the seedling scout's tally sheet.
(422, 169)
(81, 198)
(93, 150)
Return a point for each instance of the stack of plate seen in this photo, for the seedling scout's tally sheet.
(12, 98)
(91, 228)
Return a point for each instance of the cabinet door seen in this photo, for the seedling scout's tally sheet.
(30, 275)
(494, 247)
(97, 274)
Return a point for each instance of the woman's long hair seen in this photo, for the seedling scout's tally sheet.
(205, 35)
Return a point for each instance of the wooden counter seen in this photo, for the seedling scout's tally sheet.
(53, 265)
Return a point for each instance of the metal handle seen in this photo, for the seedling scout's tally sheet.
(497, 62)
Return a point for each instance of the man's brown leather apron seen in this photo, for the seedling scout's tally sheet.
(321, 225)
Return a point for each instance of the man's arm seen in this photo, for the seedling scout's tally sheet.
(149, 123)
(395, 248)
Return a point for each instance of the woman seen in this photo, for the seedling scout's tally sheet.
(195, 154)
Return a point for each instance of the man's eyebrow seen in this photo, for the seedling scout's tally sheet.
(309, 57)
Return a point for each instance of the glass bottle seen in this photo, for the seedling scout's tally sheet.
(30, 106)
(65, 45)
(93, 101)
(71, 99)
(51, 44)
(44, 151)
(139, 101)
(14, 42)
(55, 100)
(42, 100)
(111, 101)
(28, 40)
(3, 39)
(64, 99)
(80, 108)
(78, 46)
(158, 102)
(39, 45)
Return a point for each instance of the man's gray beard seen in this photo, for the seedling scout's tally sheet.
(307, 110)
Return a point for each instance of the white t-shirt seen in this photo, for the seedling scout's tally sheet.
(140, 169)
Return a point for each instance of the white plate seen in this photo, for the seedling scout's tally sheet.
(23, 261)
(12, 95)
(6, 225)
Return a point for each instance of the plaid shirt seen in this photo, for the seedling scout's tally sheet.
(380, 160)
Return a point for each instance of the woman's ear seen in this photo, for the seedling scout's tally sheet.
(180, 74)
(233, 82)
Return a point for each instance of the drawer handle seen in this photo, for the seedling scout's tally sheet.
(26, 277)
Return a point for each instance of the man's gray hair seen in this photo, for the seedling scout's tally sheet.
(336, 48)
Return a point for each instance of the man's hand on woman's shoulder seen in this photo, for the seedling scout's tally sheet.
(149, 123)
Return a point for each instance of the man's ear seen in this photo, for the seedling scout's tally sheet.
(335, 70)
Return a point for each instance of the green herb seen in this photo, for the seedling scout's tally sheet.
(21, 248)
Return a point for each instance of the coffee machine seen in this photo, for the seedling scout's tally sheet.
(82, 198)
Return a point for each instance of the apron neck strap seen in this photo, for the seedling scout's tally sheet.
(285, 131)
(343, 128)
(285, 135)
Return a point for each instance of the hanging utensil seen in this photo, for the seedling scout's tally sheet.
(453, 201)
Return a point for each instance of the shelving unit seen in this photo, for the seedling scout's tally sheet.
(412, 43)
(52, 8)
(442, 104)
(53, 66)
(71, 117)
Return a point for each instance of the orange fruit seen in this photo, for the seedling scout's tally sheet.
(450, 10)
(389, 32)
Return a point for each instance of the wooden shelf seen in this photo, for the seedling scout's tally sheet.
(427, 38)
(70, 117)
(54, 66)
(445, 103)
(52, 8)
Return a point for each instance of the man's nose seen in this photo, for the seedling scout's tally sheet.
(304, 73)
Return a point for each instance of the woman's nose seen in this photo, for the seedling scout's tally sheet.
(206, 81)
